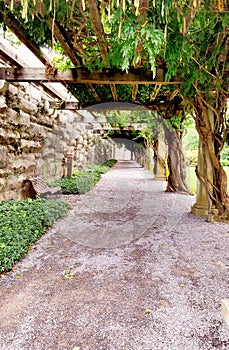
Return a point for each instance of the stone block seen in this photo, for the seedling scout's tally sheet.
(13, 89)
(3, 105)
(31, 146)
(27, 106)
(2, 184)
(35, 132)
(36, 92)
(12, 117)
(3, 157)
(24, 119)
(8, 135)
(66, 117)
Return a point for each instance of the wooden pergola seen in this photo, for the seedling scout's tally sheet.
(72, 41)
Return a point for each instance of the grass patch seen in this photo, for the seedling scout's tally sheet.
(104, 167)
(22, 222)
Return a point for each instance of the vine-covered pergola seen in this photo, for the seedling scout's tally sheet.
(166, 55)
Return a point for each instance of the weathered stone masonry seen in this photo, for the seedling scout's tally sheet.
(34, 138)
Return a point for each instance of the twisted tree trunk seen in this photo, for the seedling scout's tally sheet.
(176, 162)
(212, 129)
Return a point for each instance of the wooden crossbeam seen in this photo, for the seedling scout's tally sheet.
(83, 76)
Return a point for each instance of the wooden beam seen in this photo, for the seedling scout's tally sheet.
(98, 28)
(155, 93)
(143, 7)
(84, 76)
(190, 15)
(12, 23)
(96, 96)
(69, 105)
(114, 92)
(61, 36)
(9, 56)
(134, 92)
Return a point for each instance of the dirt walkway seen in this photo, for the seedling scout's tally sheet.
(128, 269)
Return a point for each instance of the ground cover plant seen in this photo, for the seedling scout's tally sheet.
(104, 167)
(82, 181)
(22, 222)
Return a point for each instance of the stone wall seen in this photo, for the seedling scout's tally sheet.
(35, 138)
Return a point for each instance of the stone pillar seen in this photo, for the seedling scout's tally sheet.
(160, 158)
(204, 166)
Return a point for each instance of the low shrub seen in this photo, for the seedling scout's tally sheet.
(224, 162)
(22, 222)
(82, 181)
(103, 167)
(79, 183)
(191, 157)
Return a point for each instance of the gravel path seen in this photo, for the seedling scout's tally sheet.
(130, 268)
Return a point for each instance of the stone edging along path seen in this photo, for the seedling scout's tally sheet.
(129, 268)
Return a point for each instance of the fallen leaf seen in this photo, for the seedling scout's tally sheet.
(69, 275)
(25, 266)
(76, 348)
(182, 284)
(148, 311)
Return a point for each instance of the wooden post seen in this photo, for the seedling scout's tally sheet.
(69, 164)
(63, 167)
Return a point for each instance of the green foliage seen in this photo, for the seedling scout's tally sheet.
(162, 37)
(118, 119)
(82, 181)
(10, 37)
(225, 162)
(132, 42)
(190, 140)
(190, 143)
(83, 94)
(224, 156)
(104, 167)
(79, 183)
(21, 223)
(61, 62)
(191, 157)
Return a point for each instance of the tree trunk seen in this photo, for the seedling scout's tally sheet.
(176, 162)
(213, 139)
(160, 155)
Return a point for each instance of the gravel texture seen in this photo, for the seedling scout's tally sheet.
(129, 268)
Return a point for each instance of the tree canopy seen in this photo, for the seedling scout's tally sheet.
(185, 38)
